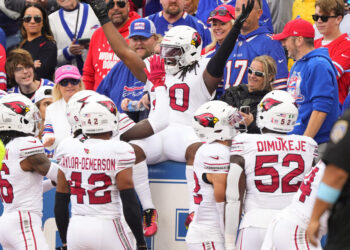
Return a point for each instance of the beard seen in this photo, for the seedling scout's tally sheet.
(173, 11)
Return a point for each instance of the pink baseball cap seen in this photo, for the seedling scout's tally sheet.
(223, 12)
(67, 72)
(296, 27)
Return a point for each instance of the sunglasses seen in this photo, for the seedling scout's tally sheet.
(28, 18)
(120, 4)
(221, 12)
(323, 18)
(65, 82)
(256, 73)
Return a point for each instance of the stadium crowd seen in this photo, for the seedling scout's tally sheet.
(252, 95)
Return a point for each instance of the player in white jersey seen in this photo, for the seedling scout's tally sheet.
(273, 165)
(214, 124)
(98, 173)
(21, 175)
(190, 80)
(287, 231)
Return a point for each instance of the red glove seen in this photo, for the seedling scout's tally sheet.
(157, 74)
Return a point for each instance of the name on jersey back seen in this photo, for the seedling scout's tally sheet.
(281, 145)
(86, 163)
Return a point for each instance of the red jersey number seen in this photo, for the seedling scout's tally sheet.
(178, 92)
(5, 185)
(305, 186)
(197, 197)
(261, 170)
(80, 192)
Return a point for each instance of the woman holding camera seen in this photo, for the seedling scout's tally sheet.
(246, 97)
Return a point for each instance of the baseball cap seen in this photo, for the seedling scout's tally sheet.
(142, 27)
(42, 93)
(67, 72)
(223, 12)
(296, 27)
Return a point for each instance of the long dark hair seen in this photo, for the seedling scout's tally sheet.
(7, 136)
(45, 30)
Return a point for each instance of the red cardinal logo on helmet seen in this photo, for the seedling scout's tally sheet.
(268, 103)
(206, 120)
(110, 106)
(196, 39)
(18, 107)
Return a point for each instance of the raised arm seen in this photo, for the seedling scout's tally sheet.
(117, 41)
(215, 69)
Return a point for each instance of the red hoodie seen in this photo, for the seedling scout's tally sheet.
(101, 58)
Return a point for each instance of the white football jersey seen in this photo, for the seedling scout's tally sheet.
(21, 190)
(213, 158)
(185, 95)
(275, 166)
(90, 167)
(125, 123)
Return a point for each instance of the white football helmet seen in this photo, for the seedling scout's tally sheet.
(74, 105)
(99, 115)
(181, 46)
(277, 111)
(19, 113)
(215, 120)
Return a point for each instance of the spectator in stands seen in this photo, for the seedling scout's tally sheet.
(221, 20)
(3, 83)
(9, 25)
(101, 58)
(20, 74)
(261, 74)
(142, 40)
(73, 21)
(254, 41)
(328, 16)
(205, 6)
(68, 82)
(281, 13)
(191, 7)
(38, 40)
(173, 14)
(312, 82)
(42, 99)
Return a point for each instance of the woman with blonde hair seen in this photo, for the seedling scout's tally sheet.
(246, 97)
(68, 82)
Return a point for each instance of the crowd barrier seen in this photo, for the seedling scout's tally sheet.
(169, 193)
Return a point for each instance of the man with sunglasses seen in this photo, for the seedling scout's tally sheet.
(173, 14)
(71, 22)
(101, 58)
(312, 82)
(254, 40)
(328, 16)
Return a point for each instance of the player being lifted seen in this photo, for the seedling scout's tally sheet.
(96, 209)
(269, 167)
(190, 81)
(21, 176)
(214, 124)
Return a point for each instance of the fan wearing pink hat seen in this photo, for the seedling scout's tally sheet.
(68, 82)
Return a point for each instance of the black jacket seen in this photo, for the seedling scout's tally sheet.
(238, 96)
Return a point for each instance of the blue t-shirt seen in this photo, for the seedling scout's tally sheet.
(206, 6)
(162, 25)
(120, 83)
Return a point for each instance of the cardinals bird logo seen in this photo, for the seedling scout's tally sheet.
(18, 107)
(206, 120)
(196, 39)
(269, 103)
(110, 106)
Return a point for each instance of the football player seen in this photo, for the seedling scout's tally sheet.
(269, 168)
(98, 173)
(214, 124)
(21, 176)
(190, 81)
(288, 230)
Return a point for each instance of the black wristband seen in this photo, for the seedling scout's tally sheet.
(217, 63)
(62, 214)
(101, 10)
(132, 214)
